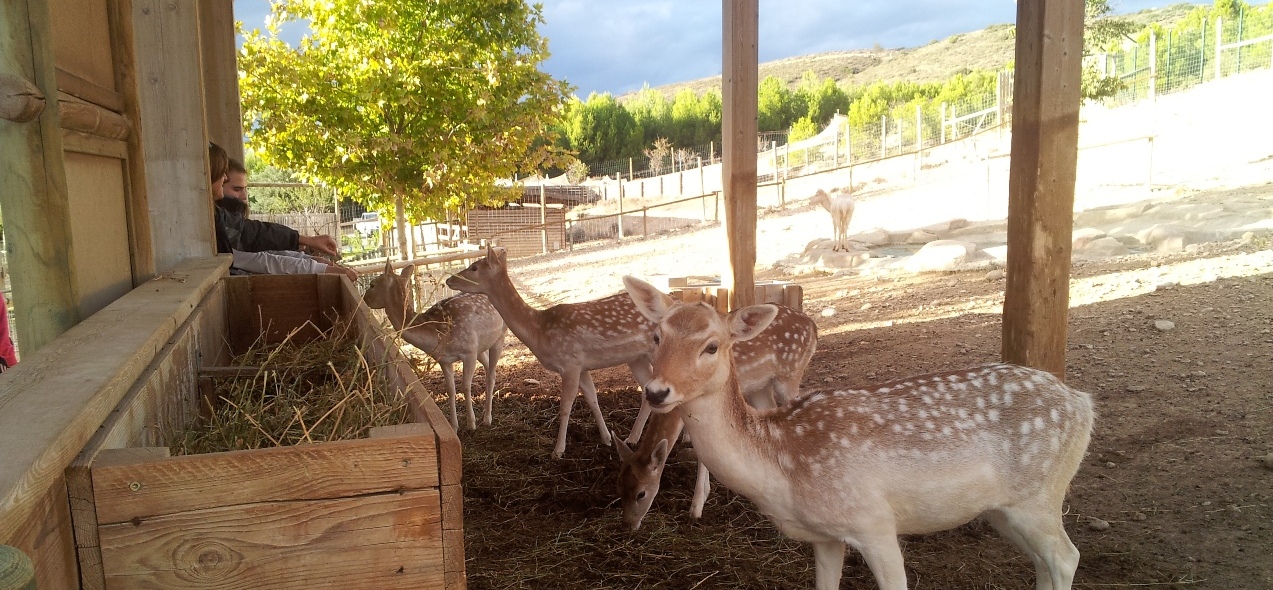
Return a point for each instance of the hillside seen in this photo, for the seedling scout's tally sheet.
(986, 49)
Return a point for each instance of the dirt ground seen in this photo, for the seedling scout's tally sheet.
(1173, 492)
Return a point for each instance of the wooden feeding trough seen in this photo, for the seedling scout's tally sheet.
(712, 293)
(378, 512)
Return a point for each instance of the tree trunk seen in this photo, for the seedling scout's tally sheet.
(400, 222)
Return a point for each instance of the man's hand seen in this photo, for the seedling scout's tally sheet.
(324, 244)
(336, 269)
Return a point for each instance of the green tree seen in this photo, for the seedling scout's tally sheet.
(416, 106)
(1100, 31)
(601, 129)
(775, 105)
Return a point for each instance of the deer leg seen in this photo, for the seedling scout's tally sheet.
(884, 556)
(492, 359)
(448, 373)
(470, 364)
(590, 395)
(569, 391)
(1040, 533)
(828, 559)
(642, 372)
(784, 391)
(702, 485)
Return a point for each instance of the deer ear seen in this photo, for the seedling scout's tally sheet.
(746, 323)
(501, 255)
(652, 303)
(388, 267)
(407, 271)
(660, 453)
(625, 452)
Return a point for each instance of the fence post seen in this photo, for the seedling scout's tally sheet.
(919, 140)
(999, 103)
(1202, 54)
(702, 178)
(782, 195)
(943, 123)
(773, 150)
(645, 221)
(883, 136)
(835, 151)
(1149, 169)
(1153, 65)
(1219, 43)
(336, 205)
(620, 209)
(716, 213)
(543, 218)
(786, 159)
(1241, 18)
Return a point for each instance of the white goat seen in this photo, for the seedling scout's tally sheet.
(840, 206)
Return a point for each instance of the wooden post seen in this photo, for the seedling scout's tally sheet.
(123, 52)
(543, 218)
(835, 150)
(221, 75)
(16, 570)
(738, 156)
(620, 209)
(33, 192)
(943, 123)
(883, 136)
(1153, 65)
(1045, 123)
(1219, 43)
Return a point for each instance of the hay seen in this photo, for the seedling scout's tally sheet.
(323, 389)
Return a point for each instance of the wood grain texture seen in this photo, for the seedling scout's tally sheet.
(271, 306)
(86, 117)
(391, 540)
(332, 469)
(53, 402)
(119, 15)
(1045, 111)
(738, 163)
(221, 75)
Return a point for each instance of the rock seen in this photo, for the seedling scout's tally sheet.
(531, 382)
(945, 227)
(994, 275)
(1084, 236)
(1268, 461)
(922, 237)
(1097, 524)
(828, 312)
(1110, 464)
(940, 255)
(872, 237)
(1139, 516)
(1164, 325)
(1165, 286)
(865, 306)
(1248, 236)
(1135, 388)
(1103, 247)
(1168, 238)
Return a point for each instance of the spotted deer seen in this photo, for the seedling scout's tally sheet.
(462, 327)
(860, 467)
(840, 206)
(568, 339)
(769, 369)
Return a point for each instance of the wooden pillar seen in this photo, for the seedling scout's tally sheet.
(221, 75)
(738, 154)
(123, 52)
(33, 193)
(1045, 110)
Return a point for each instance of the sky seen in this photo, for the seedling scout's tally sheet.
(617, 46)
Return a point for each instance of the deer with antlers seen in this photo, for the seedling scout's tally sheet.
(568, 339)
(769, 369)
(859, 467)
(462, 327)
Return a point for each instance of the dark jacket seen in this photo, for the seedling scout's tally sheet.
(249, 235)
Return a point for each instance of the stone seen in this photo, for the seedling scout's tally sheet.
(994, 275)
(1165, 286)
(1084, 236)
(1097, 524)
(1103, 247)
(940, 255)
(922, 237)
(1169, 238)
(872, 237)
(828, 312)
(1135, 388)
(531, 382)
(1164, 325)
(1268, 461)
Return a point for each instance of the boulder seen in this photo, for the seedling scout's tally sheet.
(871, 237)
(921, 237)
(1103, 247)
(1084, 236)
(940, 255)
(1168, 238)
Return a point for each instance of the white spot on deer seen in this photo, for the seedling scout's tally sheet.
(994, 397)
(963, 413)
(901, 406)
(923, 414)
(1007, 398)
(878, 419)
(981, 403)
(897, 427)
(1025, 428)
(1056, 416)
(1038, 423)
(853, 429)
(978, 418)
(945, 430)
(929, 424)
(993, 415)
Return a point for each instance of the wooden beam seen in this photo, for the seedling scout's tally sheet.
(174, 142)
(221, 75)
(738, 164)
(1045, 118)
(119, 14)
(33, 192)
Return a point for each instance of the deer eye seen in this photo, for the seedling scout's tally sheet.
(711, 348)
(473, 266)
(656, 338)
(641, 495)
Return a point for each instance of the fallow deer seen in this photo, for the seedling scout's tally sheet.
(769, 369)
(462, 327)
(568, 339)
(840, 206)
(860, 467)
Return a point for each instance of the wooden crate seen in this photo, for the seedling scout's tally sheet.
(381, 512)
(710, 292)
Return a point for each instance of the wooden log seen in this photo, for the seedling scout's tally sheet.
(738, 165)
(20, 100)
(94, 120)
(75, 85)
(16, 569)
(33, 193)
(1045, 117)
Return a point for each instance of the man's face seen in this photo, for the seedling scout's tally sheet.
(237, 186)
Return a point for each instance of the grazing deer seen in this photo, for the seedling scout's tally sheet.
(859, 467)
(841, 209)
(769, 369)
(462, 327)
(568, 339)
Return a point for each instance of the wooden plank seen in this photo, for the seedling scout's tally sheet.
(119, 14)
(46, 536)
(79, 491)
(81, 42)
(1045, 117)
(83, 89)
(174, 148)
(391, 540)
(450, 455)
(221, 75)
(453, 559)
(332, 469)
(231, 372)
(738, 154)
(283, 302)
(33, 193)
(241, 326)
(78, 141)
(329, 300)
(793, 296)
(86, 117)
(722, 299)
(99, 228)
(55, 399)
